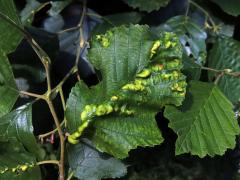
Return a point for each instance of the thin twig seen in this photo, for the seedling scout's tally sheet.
(48, 162)
(32, 94)
(61, 136)
(42, 136)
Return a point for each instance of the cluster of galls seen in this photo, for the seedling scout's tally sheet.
(91, 111)
(105, 39)
(18, 169)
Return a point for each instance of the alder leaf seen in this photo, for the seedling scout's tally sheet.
(205, 123)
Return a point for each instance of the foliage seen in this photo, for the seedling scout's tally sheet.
(185, 69)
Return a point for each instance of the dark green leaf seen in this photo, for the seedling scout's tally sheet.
(226, 55)
(205, 123)
(10, 38)
(8, 89)
(88, 164)
(18, 124)
(230, 6)
(149, 6)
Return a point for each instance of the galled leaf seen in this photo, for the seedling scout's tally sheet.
(205, 123)
(139, 76)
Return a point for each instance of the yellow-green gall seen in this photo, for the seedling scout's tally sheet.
(109, 108)
(157, 67)
(72, 140)
(166, 76)
(103, 40)
(128, 87)
(101, 110)
(155, 47)
(168, 44)
(139, 87)
(114, 98)
(83, 126)
(175, 74)
(84, 116)
(14, 169)
(76, 135)
(144, 73)
(23, 167)
(129, 112)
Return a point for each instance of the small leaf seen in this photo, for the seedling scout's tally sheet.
(19, 124)
(87, 163)
(231, 6)
(225, 55)
(151, 5)
(205, 123)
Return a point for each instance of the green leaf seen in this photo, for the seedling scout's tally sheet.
(10, 38)
(18, 124)
(230, 6)
(126, 52)
(205, 123)
(225, 55)
(9, 35)
(87, 163)
(151, 5)
(13, 154)
(8, 89)
(192, 38)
